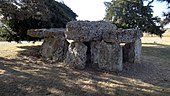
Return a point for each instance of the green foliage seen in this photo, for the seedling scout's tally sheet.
(6, 33)
(21, 15)
(133, 14)
(3, 34)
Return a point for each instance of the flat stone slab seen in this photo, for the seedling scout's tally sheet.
(46, 33)
(85, 31)
(122, 35)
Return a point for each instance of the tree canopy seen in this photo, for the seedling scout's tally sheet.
(21, 15)
(133, 14)
(166, 14)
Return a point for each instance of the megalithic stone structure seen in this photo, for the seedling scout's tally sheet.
(104, 40)
(94, 43)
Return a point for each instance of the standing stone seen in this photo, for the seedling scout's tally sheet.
(132, 52)
(110, 57)
(76, 55)
(54, 46)
(95, 45)
(54, 49)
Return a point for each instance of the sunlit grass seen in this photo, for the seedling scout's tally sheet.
(9, 49)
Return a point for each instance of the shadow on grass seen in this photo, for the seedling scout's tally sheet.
(160, 50)
(30, 51)
(30, 75)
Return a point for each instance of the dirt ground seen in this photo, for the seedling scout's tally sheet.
(24, 73)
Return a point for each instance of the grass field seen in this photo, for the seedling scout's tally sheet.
(24, 73)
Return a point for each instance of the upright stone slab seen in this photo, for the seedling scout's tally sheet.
(76, 55)
(131, 38)
(132, 52)
(54, 46)
(110, 56)
(95, 45)
(54, 49)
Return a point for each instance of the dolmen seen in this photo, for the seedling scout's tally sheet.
(91, 43)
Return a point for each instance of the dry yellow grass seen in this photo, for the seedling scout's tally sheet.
(156, 40)
(167, 33)
(24, 72)
(11, 49)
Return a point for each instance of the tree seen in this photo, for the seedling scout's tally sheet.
(133, 14)
(21, 15)
(166, 14)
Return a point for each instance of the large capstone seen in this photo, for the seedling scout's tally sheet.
(47, 33)
(122, 35)
(76, 55)
(85, 31)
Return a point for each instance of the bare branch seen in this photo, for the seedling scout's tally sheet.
(150, 2)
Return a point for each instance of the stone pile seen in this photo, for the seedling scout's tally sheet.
(91, 43)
